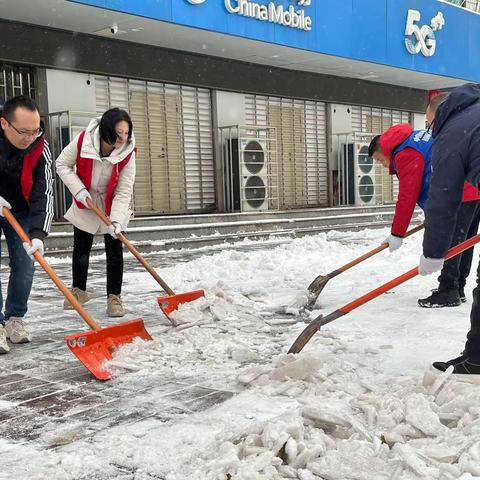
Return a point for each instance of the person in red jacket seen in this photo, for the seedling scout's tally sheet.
(411, 165)
(406, 153)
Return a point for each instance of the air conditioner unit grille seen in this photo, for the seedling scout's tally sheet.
(255, 191)
(253, 157)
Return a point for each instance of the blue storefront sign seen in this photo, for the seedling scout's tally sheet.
(422, 35)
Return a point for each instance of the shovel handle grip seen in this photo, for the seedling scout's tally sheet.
(50, 271)
(406, 276)
(371, 253)
(106, 220)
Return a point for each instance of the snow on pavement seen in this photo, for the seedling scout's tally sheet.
(359, 402)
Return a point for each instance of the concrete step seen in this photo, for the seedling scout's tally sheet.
(63, 240)
(176, 220)
(273, 236)
(153, 234)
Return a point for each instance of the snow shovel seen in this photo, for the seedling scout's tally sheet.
(316, 287)
(168, 304)
(95, 347)
(316, 324)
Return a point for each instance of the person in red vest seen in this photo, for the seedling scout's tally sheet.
(26, 188)
(99, 164)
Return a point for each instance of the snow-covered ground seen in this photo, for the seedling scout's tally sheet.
(359, 402)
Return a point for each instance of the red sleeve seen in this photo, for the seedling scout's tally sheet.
(410, 165)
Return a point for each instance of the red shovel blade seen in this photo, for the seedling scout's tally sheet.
(95, 347)
(171, 303)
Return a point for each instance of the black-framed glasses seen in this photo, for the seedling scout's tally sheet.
(35, 134)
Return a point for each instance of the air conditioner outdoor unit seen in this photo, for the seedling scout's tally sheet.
(246, 175)
(358, 175)
(254, 178)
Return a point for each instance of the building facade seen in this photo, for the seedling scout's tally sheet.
(240, 105)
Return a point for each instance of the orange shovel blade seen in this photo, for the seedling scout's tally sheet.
(94, 347)
(171, 303)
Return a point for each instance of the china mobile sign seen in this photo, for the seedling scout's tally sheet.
(293, 16)
(422, 39)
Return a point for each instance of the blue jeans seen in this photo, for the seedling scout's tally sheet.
(21, 271)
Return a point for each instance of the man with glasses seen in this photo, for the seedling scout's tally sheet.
(26, 188)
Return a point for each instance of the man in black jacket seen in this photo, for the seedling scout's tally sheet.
(455, 158)
(26, 188)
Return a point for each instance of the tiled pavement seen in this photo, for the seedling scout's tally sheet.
(43, 386)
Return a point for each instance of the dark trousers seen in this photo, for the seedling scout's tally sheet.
(456, 270)
(82, 246)
(472, 347)
(21, 270)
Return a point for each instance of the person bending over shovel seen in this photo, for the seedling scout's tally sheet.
(455, 158)
(407, 154)
(26, 188)
(99, 166)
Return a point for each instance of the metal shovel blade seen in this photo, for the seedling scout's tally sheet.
(315, 289)
(170, 303)
(94, 348)
(306, 335)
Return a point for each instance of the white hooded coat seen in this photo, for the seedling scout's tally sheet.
(86, 219)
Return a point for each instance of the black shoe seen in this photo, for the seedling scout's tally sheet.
(461, 294)
(444, 365)
(463, 368)
(439, 299)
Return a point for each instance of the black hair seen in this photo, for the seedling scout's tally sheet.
(374, 145)
(109, 121)
(21, 101)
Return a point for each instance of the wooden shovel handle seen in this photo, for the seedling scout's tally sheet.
(373, 252)
(406, 276)
(106, 220)
(320, 321)
(50, 271)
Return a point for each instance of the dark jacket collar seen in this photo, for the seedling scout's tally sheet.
(459, 99)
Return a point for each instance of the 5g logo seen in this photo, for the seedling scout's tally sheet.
(422, 39)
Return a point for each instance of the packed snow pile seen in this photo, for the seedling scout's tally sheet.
(359, 402)
(352, 421)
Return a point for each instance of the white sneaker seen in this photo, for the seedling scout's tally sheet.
(15, 330)
(4, 348)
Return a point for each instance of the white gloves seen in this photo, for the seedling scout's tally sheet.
(428, 266)
(3, 203)
(82, 196)
(114, 229)
(394, 243)
(36, 246)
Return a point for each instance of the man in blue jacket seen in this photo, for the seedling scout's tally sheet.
(455, 158)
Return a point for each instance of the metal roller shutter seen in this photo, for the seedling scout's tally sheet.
(301, 147)
(173, 130)
(198, 148)
(376, 121)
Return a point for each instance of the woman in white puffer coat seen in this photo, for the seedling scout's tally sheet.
(100, 164)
